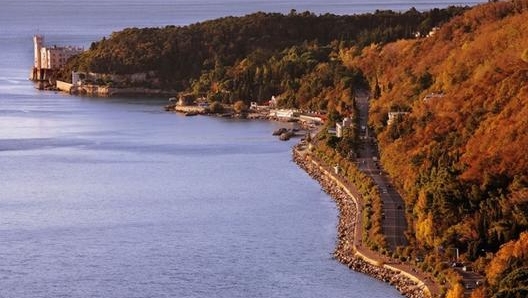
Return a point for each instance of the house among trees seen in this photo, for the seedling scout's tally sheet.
(347, 122)
(432, 96)
(396, 117)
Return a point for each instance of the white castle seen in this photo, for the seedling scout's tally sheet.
(54, 57)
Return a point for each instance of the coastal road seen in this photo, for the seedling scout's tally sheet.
(394, 223)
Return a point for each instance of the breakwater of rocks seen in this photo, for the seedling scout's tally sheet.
(347, 252)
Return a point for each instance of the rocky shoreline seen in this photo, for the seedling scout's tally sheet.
(346, 252)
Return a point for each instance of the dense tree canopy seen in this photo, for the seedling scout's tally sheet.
(256, 56)
(459, 154)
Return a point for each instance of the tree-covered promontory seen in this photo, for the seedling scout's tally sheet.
(255, 56)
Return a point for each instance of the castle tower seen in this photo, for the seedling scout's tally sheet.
(38, 41)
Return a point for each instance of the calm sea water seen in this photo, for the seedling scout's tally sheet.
(117, 198)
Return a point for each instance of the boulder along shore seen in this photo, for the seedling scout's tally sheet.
(346, 252)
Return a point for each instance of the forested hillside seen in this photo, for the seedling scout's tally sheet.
(458, 148)
(254, 57)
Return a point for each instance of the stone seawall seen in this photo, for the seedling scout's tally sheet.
(105, 91)
(346, 251)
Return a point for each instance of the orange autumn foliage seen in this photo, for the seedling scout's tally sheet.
(459, 155)
(513, 252)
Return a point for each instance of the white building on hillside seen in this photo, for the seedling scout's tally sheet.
(395, 117)
(432, 96)
(347, 122)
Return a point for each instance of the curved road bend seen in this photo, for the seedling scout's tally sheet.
(394, 223)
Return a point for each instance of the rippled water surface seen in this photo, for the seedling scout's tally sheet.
(116, 198)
